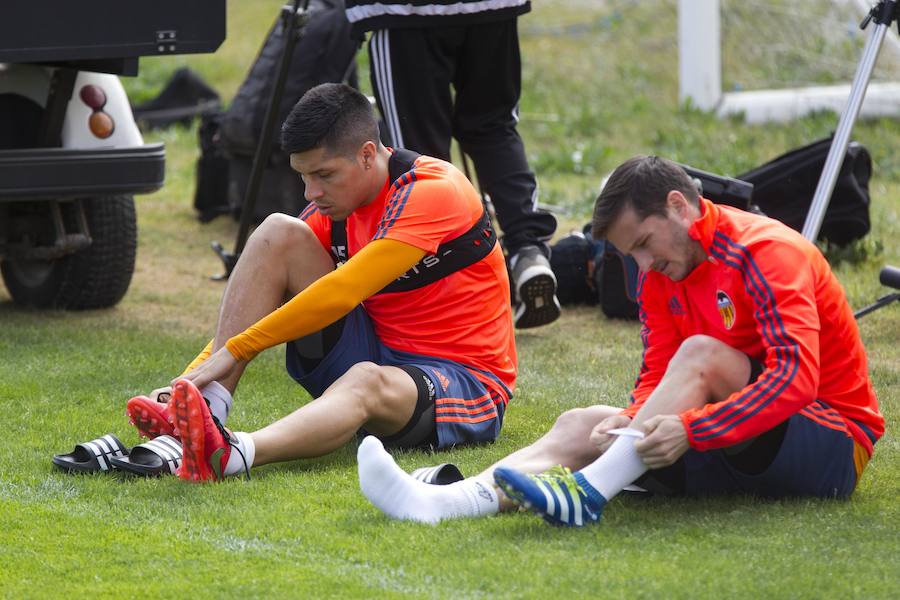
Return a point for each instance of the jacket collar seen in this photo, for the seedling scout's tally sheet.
(704, 228)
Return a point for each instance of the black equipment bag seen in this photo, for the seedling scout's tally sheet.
(616, 280)
(324, 53)
(280, 191)
(571, 260)
(784, 188)
(211, 191)
(183, 98)
(721, 189)
(222, 179)
(595, 272)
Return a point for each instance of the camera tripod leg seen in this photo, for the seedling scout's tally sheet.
(883, 13)
(890, 277)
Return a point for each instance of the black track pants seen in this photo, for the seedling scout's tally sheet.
(412, 71)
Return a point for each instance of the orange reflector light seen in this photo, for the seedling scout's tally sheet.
(102, 125)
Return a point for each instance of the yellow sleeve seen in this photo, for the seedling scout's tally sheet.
(329, 298)
(204, 354)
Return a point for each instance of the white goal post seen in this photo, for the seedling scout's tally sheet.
(700, 77)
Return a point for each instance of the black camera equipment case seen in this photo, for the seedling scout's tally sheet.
(784, 187)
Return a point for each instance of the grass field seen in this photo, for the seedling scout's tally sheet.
(600, 84)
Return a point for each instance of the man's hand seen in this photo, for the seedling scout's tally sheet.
(217, 367)
(665, 440)
(603, 440)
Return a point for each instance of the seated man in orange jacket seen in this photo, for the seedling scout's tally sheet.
(754, 377)
(410, 338)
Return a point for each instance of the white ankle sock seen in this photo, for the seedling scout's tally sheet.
(398, 495)
(619, 466)
(220, 400)
(483, 500)
(242, 443)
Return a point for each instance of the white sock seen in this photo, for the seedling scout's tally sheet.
(619, 466)
(242, 444)
(220, 400)
(398, 495)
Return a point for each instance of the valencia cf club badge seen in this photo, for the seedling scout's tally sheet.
(726, 308)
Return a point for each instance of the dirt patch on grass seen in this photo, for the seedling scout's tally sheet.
(171, 285)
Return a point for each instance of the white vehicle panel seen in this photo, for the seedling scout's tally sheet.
(76, 131)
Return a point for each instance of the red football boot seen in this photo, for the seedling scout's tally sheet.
(204, 440)
(151, 419)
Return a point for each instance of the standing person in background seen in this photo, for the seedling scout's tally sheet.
(418, 50)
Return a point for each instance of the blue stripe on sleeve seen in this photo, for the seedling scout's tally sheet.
(398, 209)
(397, 191)
(786, 349)
(309, 210)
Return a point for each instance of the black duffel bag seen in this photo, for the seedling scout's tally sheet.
(616, 278)
(595, 272)
(784, 188)
(571, 260)
(211, 191)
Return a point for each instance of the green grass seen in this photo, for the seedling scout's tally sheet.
(603, 91)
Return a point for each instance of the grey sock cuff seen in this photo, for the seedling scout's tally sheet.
(219, 399)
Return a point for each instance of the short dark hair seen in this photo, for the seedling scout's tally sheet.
(333, 116)
(643, 183)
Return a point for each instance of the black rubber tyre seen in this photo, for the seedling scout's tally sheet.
(96, 277)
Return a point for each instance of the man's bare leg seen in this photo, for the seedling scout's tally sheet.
(397, 494)
(381, 399)
(282, 258)
(567, 444)
(702, 370)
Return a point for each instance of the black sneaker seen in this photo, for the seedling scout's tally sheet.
(535, 289)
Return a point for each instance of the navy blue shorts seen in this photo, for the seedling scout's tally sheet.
(465, 410)
(812, 460)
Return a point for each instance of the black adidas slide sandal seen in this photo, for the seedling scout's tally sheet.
(443, 474)
(159, 456)
(93, 456)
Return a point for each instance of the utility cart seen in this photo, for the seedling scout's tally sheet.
(71, 155)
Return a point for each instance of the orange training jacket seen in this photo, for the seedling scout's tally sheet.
(766, 291)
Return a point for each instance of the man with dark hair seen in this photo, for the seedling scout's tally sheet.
(418, 50)
(335, 120)
(410, 339)
(754, 377)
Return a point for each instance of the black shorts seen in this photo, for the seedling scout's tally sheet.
(420, 431)
(453, 401)
(799, 457)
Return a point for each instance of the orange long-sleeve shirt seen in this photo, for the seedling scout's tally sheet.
(766, 291)
(464, 317)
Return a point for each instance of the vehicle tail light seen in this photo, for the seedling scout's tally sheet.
(100, 123)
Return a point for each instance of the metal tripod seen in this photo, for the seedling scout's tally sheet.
(293, 19)
(883, 13)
